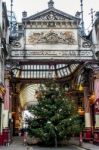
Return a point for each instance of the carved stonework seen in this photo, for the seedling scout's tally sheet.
(35, 38)
(16, 44)
(50, 16)
(52, 37)
(86, 44)
(51, 24)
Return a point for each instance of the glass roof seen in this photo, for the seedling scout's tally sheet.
(43, 71)
(27, 94)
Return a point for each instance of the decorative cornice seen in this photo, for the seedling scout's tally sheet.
(48, 11)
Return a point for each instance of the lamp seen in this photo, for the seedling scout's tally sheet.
(81, 111)
(2, 89)
(80, 87)
(92, 98)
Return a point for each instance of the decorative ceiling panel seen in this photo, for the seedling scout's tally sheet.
(44, 71)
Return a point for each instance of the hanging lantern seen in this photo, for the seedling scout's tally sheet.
(80, 87)
(2, 89)
(81, 111)
(92, 99)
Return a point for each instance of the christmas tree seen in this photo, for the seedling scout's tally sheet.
(55, 115)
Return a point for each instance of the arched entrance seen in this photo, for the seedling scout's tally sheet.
(49, 45)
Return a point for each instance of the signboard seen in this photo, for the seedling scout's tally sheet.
(51, 54)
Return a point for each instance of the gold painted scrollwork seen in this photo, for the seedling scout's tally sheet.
(34, 38)
(68, 37)
(52, 38)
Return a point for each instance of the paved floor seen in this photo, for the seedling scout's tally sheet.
(17, 144)
(85, 145)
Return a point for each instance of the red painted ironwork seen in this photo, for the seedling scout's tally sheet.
(87, 134)
(96, 136)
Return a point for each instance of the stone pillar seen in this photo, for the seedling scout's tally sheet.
(88, 130)
(96, 109)
(7, 95)
(6, 104)
(6, 129)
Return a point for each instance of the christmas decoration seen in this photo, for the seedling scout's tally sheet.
(55, 116)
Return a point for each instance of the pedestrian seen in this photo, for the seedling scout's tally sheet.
(25, 137)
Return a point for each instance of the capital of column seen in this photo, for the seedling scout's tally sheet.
(96, 75)
(7, 75)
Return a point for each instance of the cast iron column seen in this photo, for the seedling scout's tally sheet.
(88, 128)
(96, 108)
